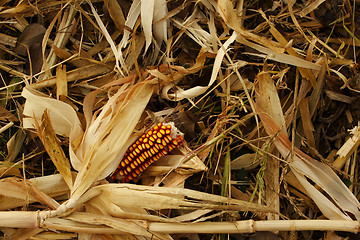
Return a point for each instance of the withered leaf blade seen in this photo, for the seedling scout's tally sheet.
(6, 115)
(186, 122)
(14, 145)
(32, 34)
(116, 13)
(53, 148)
(30, 44)
(61, 82)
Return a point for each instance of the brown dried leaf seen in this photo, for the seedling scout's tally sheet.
(61, 81)
(5, 115)
(306, 122)
(32, 35)
(116, 13)
(53, 148)
(30, 44)
(77, 61)
(14, 145)
(246, 161)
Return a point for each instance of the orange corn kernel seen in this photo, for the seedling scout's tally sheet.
(155, 143)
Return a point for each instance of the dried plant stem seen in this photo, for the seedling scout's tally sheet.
(30, 220)
(7, 126)
(18, 219)
(249, 226)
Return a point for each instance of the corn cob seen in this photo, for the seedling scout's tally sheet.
(152, 145)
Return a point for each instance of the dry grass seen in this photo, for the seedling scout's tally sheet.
(265, 92)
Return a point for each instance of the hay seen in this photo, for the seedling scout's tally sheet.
(264, 91)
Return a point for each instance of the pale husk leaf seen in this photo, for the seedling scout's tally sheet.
(108, 135)
(160, 24)
(134, 13)
(25, 192)
(62, 116)
(147, 15)
(111, 209)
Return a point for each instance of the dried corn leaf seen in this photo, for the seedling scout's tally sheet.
(267, 47)
(193, 29)
(284, 43)
(311, 7)
(68, 23)
(123, 225)
(160, 25)
(14, 146)
(279, 57)
(62, 116)
(61, 82)
(327, 207)
(198, 90)
(247, 161)
(118, 56)
(319, 173)
(306, 122)
(110, 209)
(72, 226)
(6, 115)
(52, 145)
(116, 13)
(269, 99)
(131, 19)
(77, 74)
(147, 14)
(156, 198)
(29, 44)
(303, 165)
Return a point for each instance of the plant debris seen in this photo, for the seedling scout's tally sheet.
(264, 93)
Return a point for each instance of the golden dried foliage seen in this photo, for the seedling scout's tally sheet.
(265, 93)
